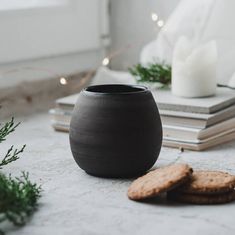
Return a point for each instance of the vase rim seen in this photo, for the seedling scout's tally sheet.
(115, 89)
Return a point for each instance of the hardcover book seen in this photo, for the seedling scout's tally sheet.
(166, 101)
(196, 123)
(223, 98)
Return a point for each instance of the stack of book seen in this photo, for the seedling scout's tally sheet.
(195, 124)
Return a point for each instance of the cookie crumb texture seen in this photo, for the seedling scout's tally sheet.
(209, 182)
(159, 181)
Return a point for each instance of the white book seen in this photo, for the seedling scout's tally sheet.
(174, 133)
(60, 126)
(178, 132)
(172, 118)
(197, 135)
(200, 146)
(166, 100)
(224, 98)
(67, 102)
(168, 118)
(196, 120)
(62, 116)
(168, 142)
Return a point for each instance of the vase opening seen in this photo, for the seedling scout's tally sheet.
(116, 89)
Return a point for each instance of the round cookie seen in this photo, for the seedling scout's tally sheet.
(202, 198)
(159, 181)
(209, 182)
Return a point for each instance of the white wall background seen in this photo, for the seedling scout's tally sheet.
(42, 39)
(131, 24)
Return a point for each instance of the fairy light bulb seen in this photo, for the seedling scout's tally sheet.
(105, 61)
(154, 17)
(160, 23)
(63, 81)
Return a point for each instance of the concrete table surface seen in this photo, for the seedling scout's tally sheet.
(73, 202)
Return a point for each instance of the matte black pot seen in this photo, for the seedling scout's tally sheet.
(115, 130)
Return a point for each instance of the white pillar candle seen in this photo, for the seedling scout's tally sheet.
(194, 69)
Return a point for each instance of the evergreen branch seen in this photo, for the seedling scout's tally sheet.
(7, 129)
(18, 198)
(11, 157)
(153, 73)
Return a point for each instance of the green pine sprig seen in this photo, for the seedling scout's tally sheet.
(152, 73)
(8, 128)
(18, 196)
(11, 156)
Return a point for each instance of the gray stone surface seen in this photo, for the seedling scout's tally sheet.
(76, 203)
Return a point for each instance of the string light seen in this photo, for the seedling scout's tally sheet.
(160, 23)
(105, 61)
(154, 17)
(63, 81)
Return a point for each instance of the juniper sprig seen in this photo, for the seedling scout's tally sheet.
(8, 128)
(153, 73)
(11, 156)
(18, 198)
(18, 195)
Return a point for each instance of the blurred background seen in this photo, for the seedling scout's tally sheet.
(47, 47)
(132, 24)
(53, 48)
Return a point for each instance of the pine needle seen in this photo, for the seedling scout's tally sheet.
(11, 156)
(8, 128)
(153, 73)
(18, 198)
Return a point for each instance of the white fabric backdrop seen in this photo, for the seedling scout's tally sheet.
(200, 21)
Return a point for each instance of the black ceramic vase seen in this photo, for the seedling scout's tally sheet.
(115, 130)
